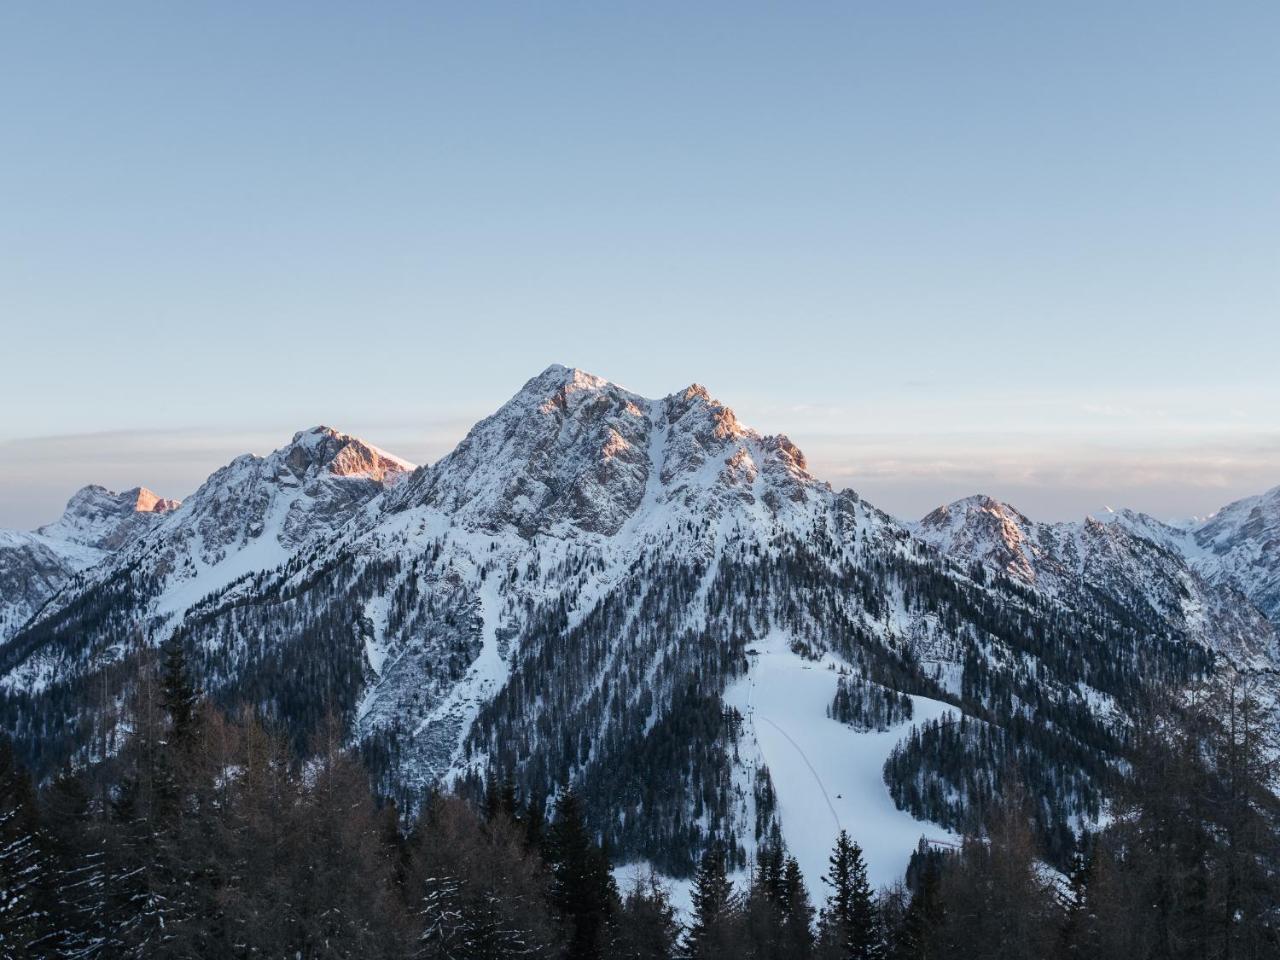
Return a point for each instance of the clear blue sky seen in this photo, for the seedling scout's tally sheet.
(1026, 248)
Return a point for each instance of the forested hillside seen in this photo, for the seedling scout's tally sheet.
(206, 835)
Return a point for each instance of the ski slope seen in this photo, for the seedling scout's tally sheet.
(827, 775)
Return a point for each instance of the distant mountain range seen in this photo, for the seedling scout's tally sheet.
(650, 599)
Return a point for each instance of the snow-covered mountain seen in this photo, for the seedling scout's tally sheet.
(1127, 558)
(249, 516)
(1240, 546)
(575, 455)
(256, 512)
(98, 517)
(650, 599)
(34, 567)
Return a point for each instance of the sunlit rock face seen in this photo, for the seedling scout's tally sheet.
(572, 451)
(36, 567)
(98, 517)
(568, 449)
(984, 529)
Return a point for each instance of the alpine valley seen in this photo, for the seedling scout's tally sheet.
(654, 602)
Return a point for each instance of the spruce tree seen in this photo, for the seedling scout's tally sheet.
(797, 911)
(178, 693)
(847, 925)
(1079, 935)
(583, 889)
(711, 934)
(646, 927)
(919, 936)
(777, 912)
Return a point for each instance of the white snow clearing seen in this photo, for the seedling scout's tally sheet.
(827, 775)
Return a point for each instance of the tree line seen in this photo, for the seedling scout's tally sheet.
(209, 835)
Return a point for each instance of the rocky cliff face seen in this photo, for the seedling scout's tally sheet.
(33, 569)
(306, 489)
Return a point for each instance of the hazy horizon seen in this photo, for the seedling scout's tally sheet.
(1028, 250)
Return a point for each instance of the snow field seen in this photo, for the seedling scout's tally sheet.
(827, 775)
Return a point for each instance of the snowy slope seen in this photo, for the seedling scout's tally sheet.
(828, 776)
(1240, 546)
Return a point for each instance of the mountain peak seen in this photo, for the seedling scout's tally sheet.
(101, 518)
(958, 510)
(558, 375)
(146, 501)
(342, 455)
(574, 450)
(315, 435)
(983, 528)
(694, 403)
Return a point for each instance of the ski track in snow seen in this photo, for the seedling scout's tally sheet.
(784, 700)
(818, 779)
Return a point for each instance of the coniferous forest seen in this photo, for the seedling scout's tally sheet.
(211, 835)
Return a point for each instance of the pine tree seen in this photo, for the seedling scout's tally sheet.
(178, 694)
(712, 933)
(1243, 752)
(918, 937)
(847, 925)
(75, 844)
(999, 906)
(777, 912)
(534, 823)
(339, 889)
(484, 895)
(446, 933)
(583, 889)
(1079, 936)
(646, 927)
(143, 903)
(797, 911)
